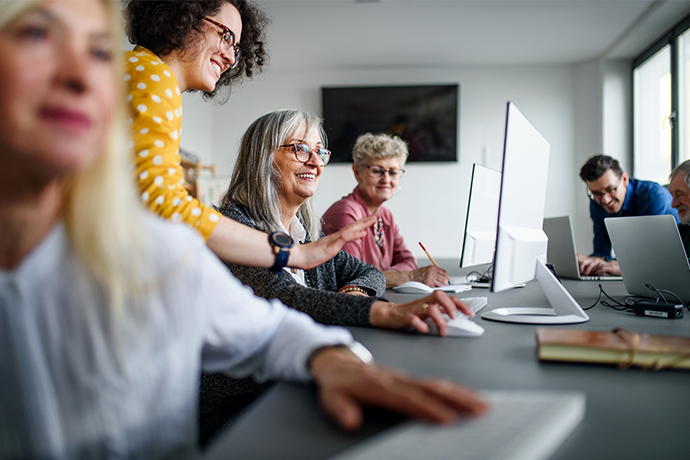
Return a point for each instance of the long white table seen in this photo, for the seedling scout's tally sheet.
(631, 414)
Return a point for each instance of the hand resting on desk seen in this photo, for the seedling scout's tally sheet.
(412, 314)
(430, 275)
(346, 384)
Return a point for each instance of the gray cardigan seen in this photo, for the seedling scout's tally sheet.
(222, 397)
(321, 299)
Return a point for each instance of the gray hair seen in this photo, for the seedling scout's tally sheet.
(683, 168)
(378, 146)
(256, 181)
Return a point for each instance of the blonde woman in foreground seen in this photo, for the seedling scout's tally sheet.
(107, 314)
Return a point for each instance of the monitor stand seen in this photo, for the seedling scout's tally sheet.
(565, 309)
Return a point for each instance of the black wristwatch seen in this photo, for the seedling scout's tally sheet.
(282, 243)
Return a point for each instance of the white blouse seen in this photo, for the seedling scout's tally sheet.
(77, 382)
(298, 234)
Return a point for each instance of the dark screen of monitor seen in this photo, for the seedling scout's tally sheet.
(426, 117)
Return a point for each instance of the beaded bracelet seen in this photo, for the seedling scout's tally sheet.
(351, 288)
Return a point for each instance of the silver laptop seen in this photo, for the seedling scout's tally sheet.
(649, 251)
(561, 251)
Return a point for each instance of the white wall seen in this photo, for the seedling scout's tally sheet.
(588, 141)
(432, 203)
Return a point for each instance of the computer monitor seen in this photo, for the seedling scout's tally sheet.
(521, 244)
(479, 239)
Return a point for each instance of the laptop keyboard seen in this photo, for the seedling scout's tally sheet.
(600, 278)
(475, 303)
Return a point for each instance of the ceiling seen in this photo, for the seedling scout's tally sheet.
(408, 33)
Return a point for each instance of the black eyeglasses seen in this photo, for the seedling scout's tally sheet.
(303, 153)
(597, 196)
(379, 172)
(227, 41)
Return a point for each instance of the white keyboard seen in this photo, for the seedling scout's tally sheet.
(475, 303)
(520, 425)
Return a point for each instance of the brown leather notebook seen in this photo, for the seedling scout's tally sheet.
(620, 346)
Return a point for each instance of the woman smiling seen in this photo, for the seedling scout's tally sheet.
(187, 46)
(378, 167)
(108, 314)
(281, 158)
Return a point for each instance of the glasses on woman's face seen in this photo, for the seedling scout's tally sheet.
(303, 153)
(598, 196)
(379, 172)
(227, 41)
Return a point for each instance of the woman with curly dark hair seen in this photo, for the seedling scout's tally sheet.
(204, 46)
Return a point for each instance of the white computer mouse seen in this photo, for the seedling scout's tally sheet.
(461, 326)
(413, 287)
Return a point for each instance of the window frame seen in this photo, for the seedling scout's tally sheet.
(670, 38)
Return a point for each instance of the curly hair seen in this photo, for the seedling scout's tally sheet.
(597, 167)
(164, 26)
(378, 146)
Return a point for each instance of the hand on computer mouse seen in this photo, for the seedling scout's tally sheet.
(412, 314)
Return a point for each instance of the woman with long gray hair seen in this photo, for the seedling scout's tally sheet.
(281, 158)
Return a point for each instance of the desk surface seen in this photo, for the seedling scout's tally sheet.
(631, 414)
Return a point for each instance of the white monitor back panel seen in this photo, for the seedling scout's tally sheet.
(521, 204)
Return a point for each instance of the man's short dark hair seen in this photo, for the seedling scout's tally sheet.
(597, 167)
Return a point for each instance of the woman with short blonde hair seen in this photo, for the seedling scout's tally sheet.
(378, 161)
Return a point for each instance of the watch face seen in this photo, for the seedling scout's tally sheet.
(282, 240)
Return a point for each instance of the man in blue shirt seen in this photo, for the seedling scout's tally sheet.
(680, 190)
(613, 194)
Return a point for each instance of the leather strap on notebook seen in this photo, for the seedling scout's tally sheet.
(633, 340)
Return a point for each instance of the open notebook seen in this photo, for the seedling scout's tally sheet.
(521, 425)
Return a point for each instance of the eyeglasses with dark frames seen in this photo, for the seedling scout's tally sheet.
(379, 172)
(600, 195)
(303, 152)
(227, 41)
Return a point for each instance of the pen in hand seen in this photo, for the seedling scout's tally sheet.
(428, 255)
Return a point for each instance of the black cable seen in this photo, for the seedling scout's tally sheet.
(616, 304)
(649, 286)
(659, 291)
(630, 302)
(482, 277)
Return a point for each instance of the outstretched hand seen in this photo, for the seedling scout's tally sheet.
(346, 385)
(412, 314)
(310, 255)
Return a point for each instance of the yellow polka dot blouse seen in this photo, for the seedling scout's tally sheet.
(156, 108)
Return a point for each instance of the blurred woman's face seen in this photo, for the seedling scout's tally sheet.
(57, 88)
(376, 182)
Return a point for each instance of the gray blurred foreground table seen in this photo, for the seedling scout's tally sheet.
(632, 414)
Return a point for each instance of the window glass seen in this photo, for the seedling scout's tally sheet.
(652, 109)
(683, 124)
